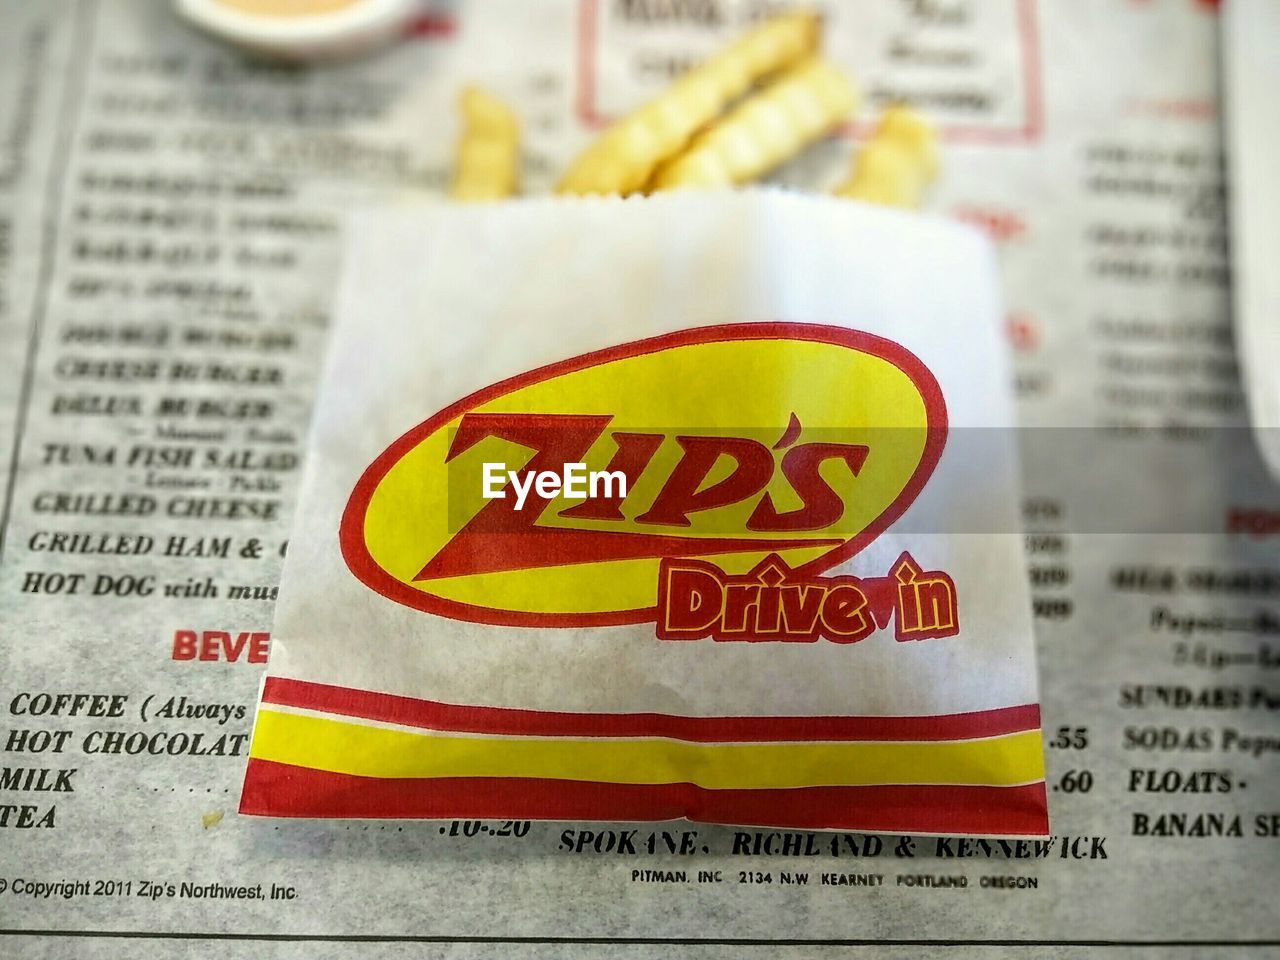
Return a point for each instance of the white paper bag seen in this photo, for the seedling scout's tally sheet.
(1250, 72)
(808, 609)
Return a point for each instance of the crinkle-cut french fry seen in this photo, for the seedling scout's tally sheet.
(765, 130)
(623, 158)
(897, 164)
(489, 149)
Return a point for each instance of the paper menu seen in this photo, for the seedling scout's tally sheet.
(1157, 694)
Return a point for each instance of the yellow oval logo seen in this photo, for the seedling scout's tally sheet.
(771, 449)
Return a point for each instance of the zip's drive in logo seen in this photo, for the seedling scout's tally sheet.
(751, 459)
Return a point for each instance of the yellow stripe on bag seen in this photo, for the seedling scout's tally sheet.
(340, 747)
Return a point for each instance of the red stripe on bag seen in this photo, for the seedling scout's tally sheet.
(430, 714)
(282, 790)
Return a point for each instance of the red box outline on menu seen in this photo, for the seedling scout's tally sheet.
(1029, 40)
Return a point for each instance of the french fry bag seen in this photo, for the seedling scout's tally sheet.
(699, 506)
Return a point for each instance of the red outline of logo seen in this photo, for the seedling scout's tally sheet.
(367, 571)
